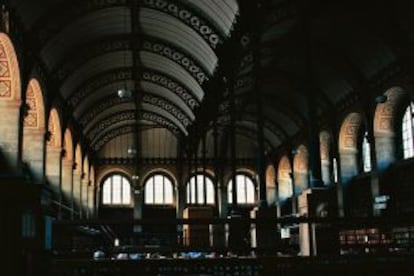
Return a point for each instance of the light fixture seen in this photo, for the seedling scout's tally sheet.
(131, 151)
(124, 93)
(381, 98)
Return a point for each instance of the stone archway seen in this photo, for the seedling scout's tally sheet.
(77, 179)
(325, 142)
(387, 124)
(10, 101)
(348, 146)
(301, 169)
(33, 131)
(271, 185)
(284, 179)
(67, 168)
(85, 186)
(92, 193)
(53, 150)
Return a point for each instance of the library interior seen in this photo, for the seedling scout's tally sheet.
(206, 137)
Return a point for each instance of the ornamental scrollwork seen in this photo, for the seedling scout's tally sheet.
(189, 64)
(191, 19)
(160, 120)
(99, 143)
(167, 106)
(97, 83)
(173, 86)
(86, 117)
(107, 122)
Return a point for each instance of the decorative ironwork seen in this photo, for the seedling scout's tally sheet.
(208, 33)
(179, 57)
(172, 161)
(244, 82)
(123, 74)
(153, 117)
(246, 61)
(119, 44)
(106, 103)
(172, 85)
(99, 143)
(167, 106)
(107, 122)
(98, 82)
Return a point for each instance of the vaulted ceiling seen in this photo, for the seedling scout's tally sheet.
(181, 58)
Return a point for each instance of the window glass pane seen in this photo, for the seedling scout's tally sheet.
(192, 191)
(210, 191)
(407, 132)
(241, 190)
(116, 189)
(366, 154)
(335, 170)
(230, 192)
(159, 190)
(149, 191)
(245, 190)
(188, 192)
(250, 191)
(168, 188)
(200, 190)
(106, 197)
(126, 191)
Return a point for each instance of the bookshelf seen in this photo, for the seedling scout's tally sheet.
(377, 240)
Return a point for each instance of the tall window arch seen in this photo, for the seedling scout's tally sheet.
(366, 153)
(116, 190)
(159, 190)
(245, 190)
(200, 190)
(335, 170)
(407, 132)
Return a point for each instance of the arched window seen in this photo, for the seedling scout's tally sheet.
(116, 190)
(200, 190)
(159, 190)
(245, 190)
(407, 132)
(335, 170)
(366, 153)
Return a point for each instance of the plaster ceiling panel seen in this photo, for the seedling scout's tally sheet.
(111, 128)
(107, 113)
(168, 28)
(165, 114)
(168, 67)
(221, 13)
(96, 96)
(167, 94)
